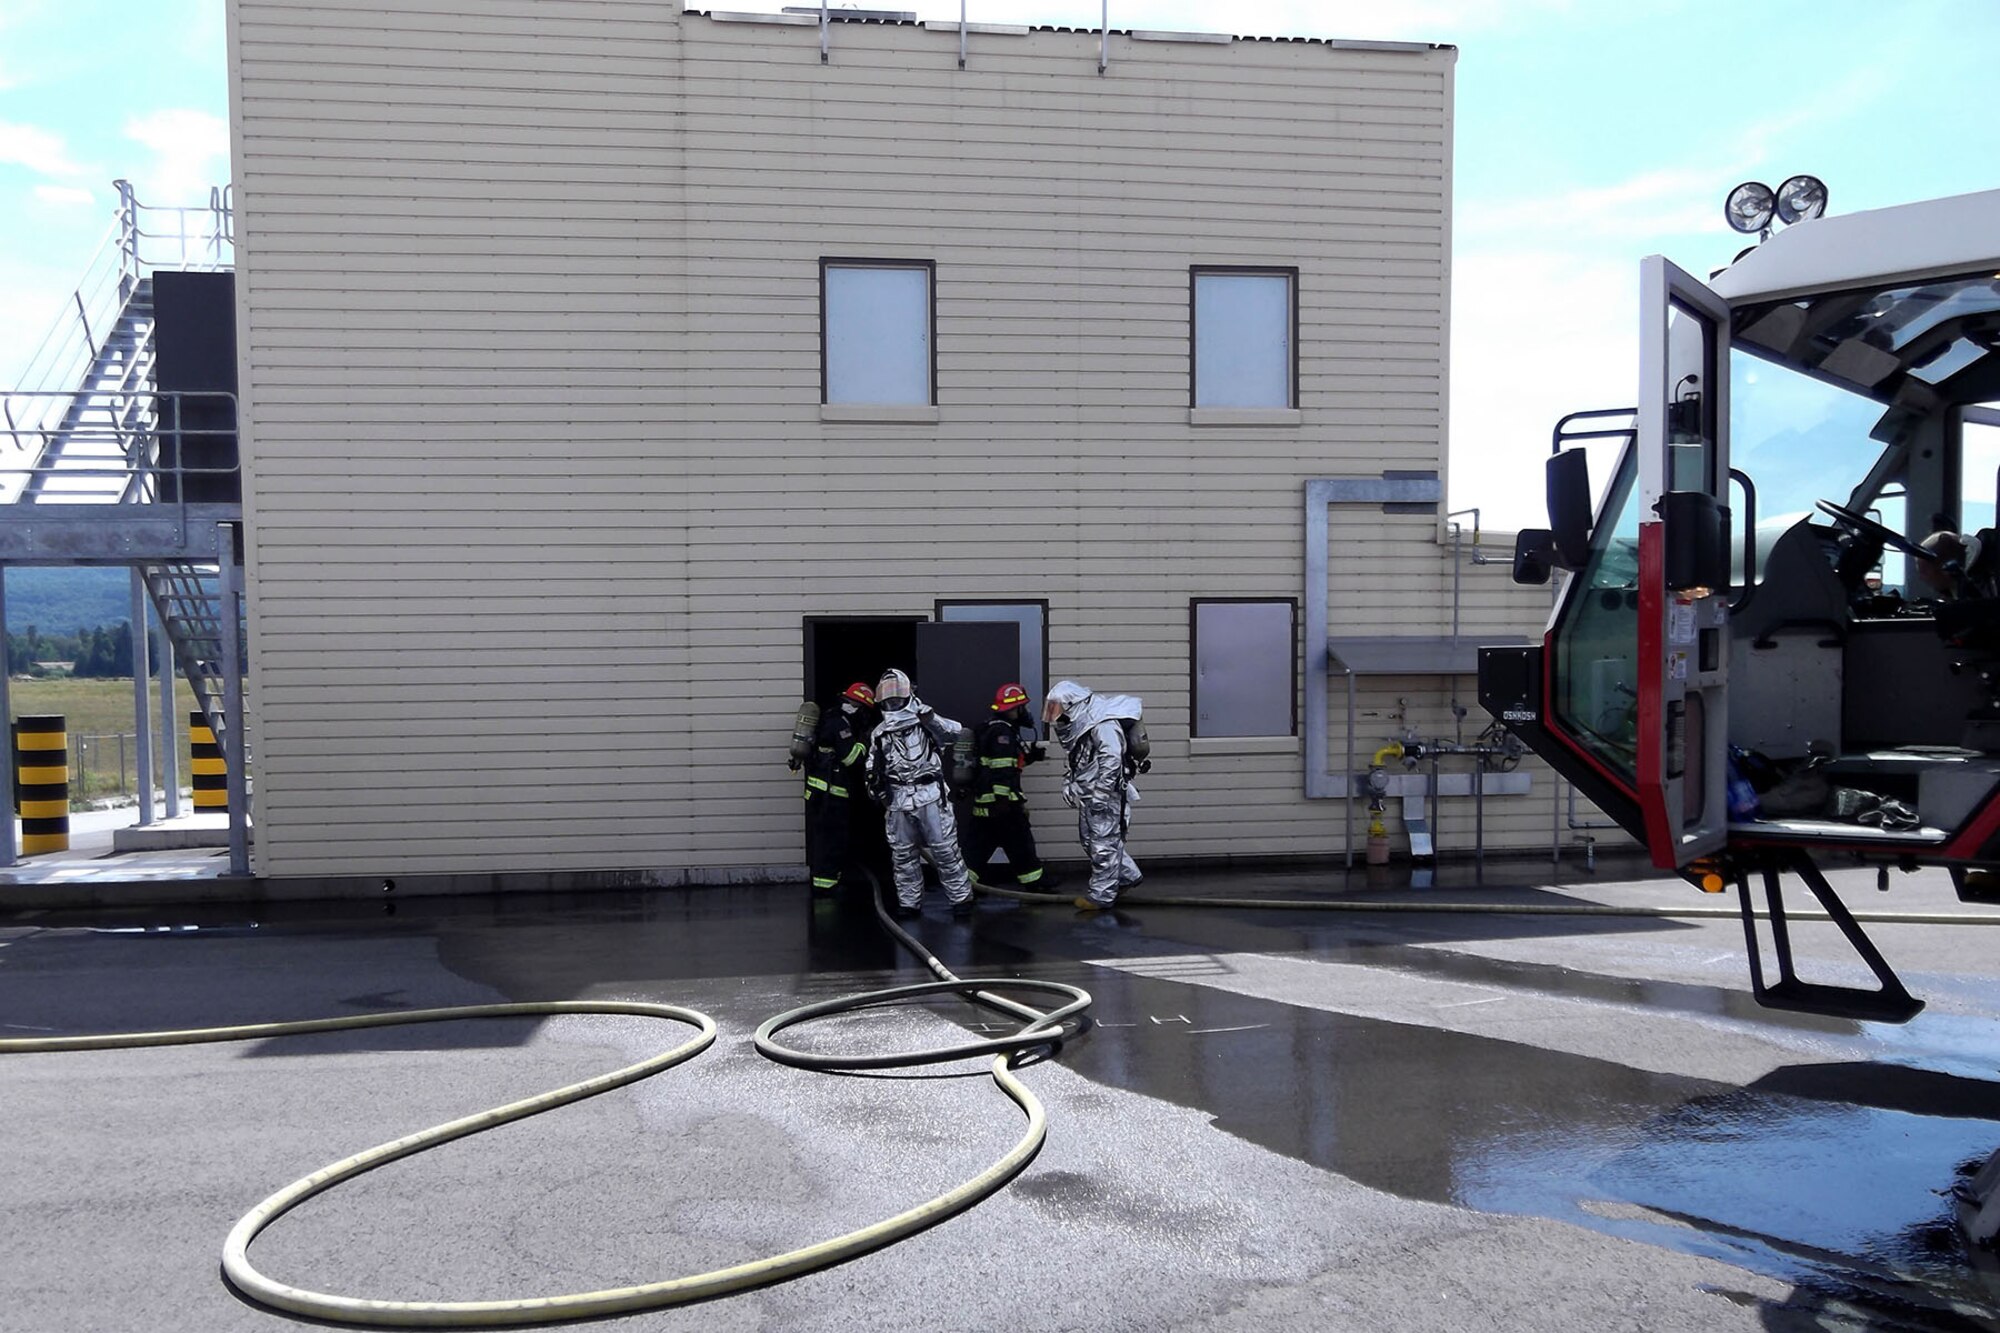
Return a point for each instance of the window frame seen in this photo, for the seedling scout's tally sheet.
(1194, 658)
(929, 268)
(938, 610)
(1291, 275)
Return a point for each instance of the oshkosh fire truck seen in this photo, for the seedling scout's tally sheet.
(1778, 642)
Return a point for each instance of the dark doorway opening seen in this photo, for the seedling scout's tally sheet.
(194, 334)
(843, 649)
(955, 668)
(839, 651)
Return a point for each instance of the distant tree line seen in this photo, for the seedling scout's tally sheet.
(104, 651)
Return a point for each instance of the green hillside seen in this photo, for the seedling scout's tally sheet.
(65, 599)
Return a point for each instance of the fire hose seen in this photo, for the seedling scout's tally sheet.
(1041, 1030)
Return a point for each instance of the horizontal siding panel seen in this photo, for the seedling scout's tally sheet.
(532, 393)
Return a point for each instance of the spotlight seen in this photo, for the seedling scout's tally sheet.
(1750, 205)
(1801, 199)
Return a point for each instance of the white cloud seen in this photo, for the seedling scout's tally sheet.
(41, 151)
(16, 15)
(191, 153)
(1536, 334)
(32, 296)
(64, 195)
(1675, 202)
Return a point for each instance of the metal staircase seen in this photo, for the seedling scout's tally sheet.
(92, 464)
(91, 439)
(187, 600)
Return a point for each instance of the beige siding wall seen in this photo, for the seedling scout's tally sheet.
(539, 485)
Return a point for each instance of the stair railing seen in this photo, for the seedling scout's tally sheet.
(126, 445)
(141, 239)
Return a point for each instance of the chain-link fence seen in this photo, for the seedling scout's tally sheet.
(102, 766)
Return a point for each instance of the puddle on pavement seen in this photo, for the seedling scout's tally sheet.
(1833, 1178)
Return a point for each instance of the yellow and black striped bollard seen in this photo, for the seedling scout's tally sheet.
(211, 778)
(41, 783)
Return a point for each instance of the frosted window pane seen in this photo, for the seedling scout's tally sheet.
(1242, 340)
(878, 335)
(1243, 669)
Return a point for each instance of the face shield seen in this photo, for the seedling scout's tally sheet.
(892, 691)
(1057, 706)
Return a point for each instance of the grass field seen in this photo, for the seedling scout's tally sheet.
(98, 712)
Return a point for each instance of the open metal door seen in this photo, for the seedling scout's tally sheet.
(1683, 479)
(959, 666)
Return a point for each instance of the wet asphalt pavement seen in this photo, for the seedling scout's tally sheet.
(1278, 1119)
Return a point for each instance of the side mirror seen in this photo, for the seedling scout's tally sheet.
(1534, 555)
(1569, 506)
(1696, 540)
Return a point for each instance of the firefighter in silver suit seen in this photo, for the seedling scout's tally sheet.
(1098, 785)
(906, 767)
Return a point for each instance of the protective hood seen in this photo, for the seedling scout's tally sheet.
(1081, 709)
(896, 719)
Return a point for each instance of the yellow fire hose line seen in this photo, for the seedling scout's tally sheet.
(1042, 1030)
(1503, 909)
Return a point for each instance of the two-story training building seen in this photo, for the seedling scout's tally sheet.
(613, 376)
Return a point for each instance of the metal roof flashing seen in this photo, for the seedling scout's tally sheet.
(800, 16)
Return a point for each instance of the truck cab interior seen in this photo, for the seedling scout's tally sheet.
(1864, 606)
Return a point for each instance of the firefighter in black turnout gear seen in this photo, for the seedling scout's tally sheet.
(999, 813)
(833, 779)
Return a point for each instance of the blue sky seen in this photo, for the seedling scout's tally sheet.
(1589, 133)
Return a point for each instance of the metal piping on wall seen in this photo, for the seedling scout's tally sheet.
(1496, 748)
(1588, 828)
(1322, 493)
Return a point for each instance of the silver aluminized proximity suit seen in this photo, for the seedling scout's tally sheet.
(1097, 785)
(905, 769)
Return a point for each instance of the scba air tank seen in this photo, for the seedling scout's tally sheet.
(805, 726)
(1138, 745)
(962, 767)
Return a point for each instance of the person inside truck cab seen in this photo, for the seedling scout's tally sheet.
(1967, 565)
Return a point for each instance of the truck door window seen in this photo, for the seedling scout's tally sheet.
(1597, 684)
(1800, 440)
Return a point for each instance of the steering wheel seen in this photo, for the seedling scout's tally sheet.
(1874, 531)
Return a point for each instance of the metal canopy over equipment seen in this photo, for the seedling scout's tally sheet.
(1414, 654)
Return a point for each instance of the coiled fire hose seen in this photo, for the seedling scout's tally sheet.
(1040, 1031)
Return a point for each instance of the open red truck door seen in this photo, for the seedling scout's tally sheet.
(1684, 545)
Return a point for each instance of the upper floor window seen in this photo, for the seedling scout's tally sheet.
(877, 321)
(1245, 350)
